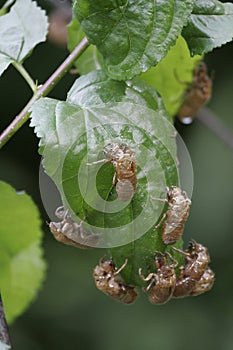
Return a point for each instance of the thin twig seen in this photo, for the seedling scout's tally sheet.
(21, 118)
(213, 123)
(4, 333)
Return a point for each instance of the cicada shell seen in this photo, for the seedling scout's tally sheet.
(205, 283)
(197, 95)
(174, 219)
(69, 232)
(195, 277)
(123, 158)
(105, 279)
(163, 281)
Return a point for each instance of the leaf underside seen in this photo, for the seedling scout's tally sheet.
(21, 30)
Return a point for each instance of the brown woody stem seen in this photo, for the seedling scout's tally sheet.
(23, 116)
(4, 333)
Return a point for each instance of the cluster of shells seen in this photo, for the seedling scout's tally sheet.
(166, 281)
(193, 278)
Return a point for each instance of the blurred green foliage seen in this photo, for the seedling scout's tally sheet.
(70, 313)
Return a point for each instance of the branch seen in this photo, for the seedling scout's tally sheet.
(213, 123)
(4, 334)
(21, 118)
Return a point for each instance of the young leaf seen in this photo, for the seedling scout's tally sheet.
(171, 75)
(132, 35)
(97, 112)
(209, 26)
(91, 59)
(20, 31)
(21, 265)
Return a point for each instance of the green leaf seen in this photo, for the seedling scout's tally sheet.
(99, 111)
(21, 30)
(209, 26)
(97, 88)
(171, 75)
(91, 58)
(21, 265)
(132, 35)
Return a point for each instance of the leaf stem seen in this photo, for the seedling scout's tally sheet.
(42, 91)
(5, 7)
(25, 75)
(4, 334)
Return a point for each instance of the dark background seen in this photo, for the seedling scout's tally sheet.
(70, 313)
